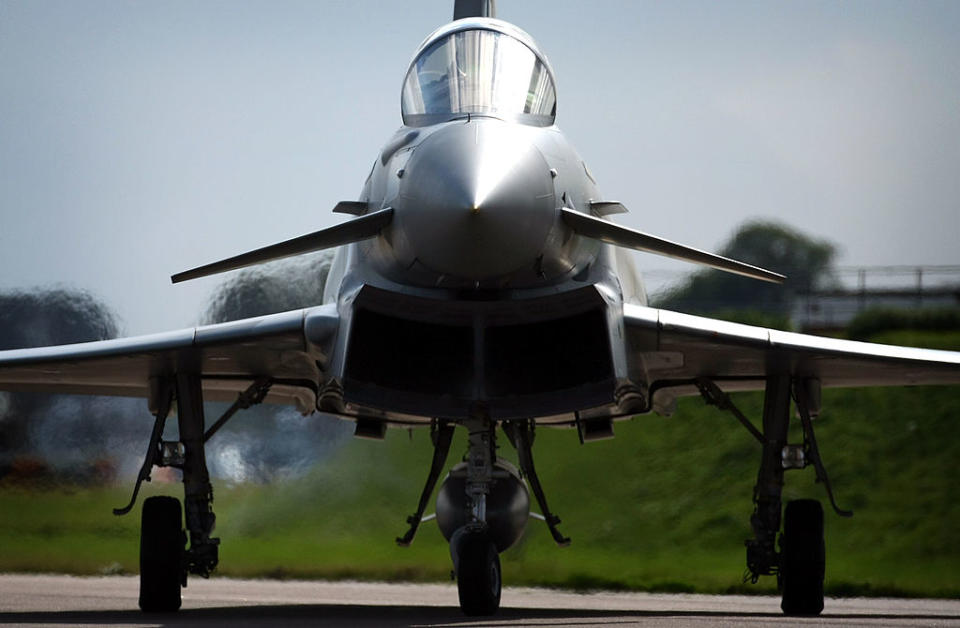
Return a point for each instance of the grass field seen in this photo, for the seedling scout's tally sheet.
(663, 506)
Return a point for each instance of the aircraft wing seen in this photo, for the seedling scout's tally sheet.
(229, 356)
(676, 349)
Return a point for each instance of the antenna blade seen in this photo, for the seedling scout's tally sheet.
(618, 235)
(351, 231)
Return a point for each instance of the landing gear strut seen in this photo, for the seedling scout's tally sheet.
(202, 557)
(476, 563)
(164, 563)
(521, 435)
(442, 435)
(164, 560)
(800, 563)
(762, 556)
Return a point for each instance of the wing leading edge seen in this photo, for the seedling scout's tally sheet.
(676, 349)
(229, 357)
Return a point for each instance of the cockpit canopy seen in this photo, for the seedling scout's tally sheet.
(478, 68)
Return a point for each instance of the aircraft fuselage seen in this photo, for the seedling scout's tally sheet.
(478, 292)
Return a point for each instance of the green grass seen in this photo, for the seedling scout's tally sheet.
(664, 506)
(919, 338)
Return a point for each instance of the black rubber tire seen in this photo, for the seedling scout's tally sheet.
(802, 558)
(162, 542)
(478, 574)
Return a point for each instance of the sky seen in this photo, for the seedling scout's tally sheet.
(139, 139)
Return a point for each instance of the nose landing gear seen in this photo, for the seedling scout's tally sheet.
(475, 559)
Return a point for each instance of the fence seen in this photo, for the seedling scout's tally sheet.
(854, 289)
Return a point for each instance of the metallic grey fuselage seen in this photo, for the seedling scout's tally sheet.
(477, 250)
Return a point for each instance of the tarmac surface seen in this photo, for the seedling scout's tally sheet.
(46, 600)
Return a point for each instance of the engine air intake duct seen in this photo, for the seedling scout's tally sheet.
(547, 355)
(412, 356)
(431, 357)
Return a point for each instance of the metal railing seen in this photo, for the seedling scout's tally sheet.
(852, 289)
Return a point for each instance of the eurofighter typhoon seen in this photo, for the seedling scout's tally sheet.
(479, 282)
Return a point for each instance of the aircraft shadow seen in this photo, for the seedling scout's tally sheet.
(291, 615)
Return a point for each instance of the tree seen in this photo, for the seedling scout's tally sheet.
(53, 317)
(68, 436)
(271, 288)
(266, 442)
(807, 262)
(72, 435)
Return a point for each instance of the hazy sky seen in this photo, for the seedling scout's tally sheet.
(138, 139)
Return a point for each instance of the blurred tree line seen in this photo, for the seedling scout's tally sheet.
(806, 261)
(270, 288)
(41, 434)
(79, 438)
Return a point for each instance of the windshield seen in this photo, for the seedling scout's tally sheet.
(478, 71)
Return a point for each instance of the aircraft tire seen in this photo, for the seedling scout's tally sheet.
(162, 543)
(478, 574)
(802, 559)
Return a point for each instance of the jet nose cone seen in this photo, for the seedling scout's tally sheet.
(476, 201)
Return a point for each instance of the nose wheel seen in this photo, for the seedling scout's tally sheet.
(477, 567)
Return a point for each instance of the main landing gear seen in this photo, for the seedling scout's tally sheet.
(800, 563)
(165, 560)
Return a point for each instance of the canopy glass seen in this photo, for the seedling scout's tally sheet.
(478, 72)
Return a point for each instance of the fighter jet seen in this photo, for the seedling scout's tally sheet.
(479, 282)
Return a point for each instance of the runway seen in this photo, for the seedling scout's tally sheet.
(43, 600)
